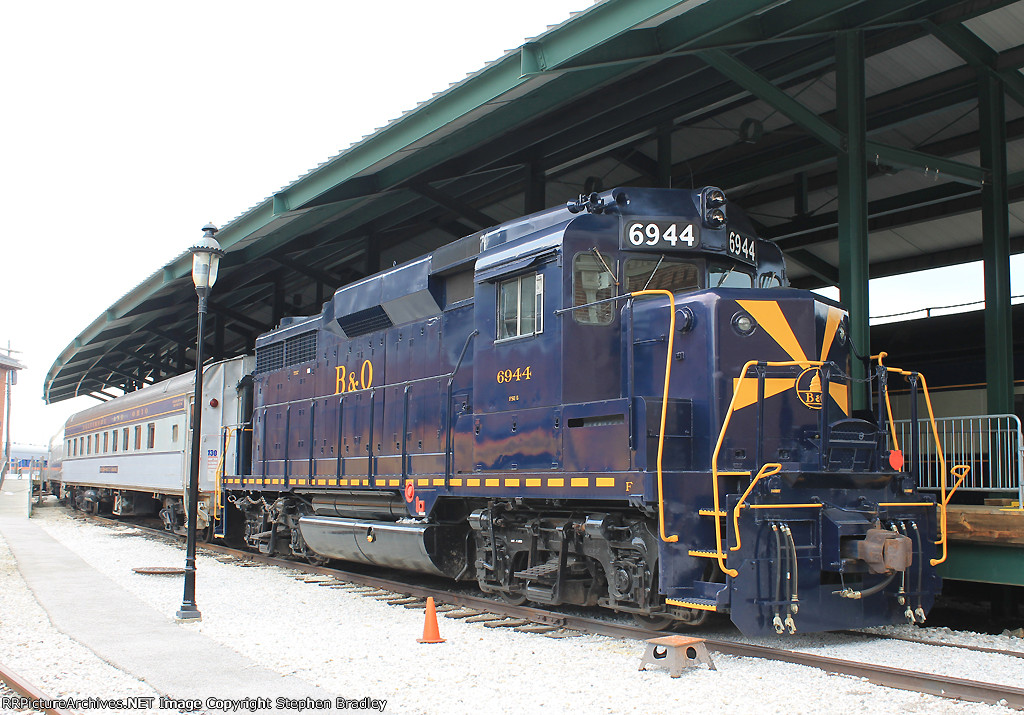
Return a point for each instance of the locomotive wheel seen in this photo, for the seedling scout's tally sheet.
(512, 598)
(657, 623)
(316, 559)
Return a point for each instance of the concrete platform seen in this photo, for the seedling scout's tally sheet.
(122, 630)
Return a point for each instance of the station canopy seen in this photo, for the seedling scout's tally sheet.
(739, 94)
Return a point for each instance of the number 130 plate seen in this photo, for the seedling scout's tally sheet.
(659, 235)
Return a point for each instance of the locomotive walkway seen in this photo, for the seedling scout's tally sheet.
(122, 630)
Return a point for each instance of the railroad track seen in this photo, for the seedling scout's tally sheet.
(397, 591)
(23, 688)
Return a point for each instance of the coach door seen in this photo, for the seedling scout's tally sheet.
(518, 366)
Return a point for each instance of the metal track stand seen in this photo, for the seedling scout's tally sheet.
(677, 653)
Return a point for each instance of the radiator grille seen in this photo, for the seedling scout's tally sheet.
(292, 351)
(365, 321)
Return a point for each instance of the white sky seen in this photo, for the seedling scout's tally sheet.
(129, 125)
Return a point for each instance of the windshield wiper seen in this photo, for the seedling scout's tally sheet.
(724, 277)
(651, 277)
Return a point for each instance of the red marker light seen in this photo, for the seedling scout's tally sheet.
(896, 460)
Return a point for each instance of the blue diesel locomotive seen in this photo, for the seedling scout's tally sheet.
(618, 402)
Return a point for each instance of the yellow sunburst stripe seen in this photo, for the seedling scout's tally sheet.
(841, 395)
(748, 390)
(769, 316)
(835, 316)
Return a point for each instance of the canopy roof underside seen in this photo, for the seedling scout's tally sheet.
(625, 93)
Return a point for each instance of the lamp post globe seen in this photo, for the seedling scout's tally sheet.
(206, 253)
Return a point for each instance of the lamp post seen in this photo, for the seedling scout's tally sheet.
(206, 255)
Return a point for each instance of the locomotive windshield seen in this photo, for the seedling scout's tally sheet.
(725, 275)
(661, 273)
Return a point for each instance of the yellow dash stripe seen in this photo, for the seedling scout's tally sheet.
(342, 482)
(533, 482)
(456, 482)
(559, 482)
(511, 482)
(472, 482)
(301, 482)
(393, 482)
(606, 481)
(438, 482)
(580, 482)
(366, 482)
(423, 482)
(492, 482)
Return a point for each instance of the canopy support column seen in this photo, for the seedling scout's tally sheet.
(996, 246)
(851, 116)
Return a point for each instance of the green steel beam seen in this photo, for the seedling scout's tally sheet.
(761, 88)
(979, 55)
(898, 156)
(822, 269)
(984, 564)
(995, 231)
(851, 114)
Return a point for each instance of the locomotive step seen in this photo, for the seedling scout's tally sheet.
(702, 604)
(536, 572)
(711, 512)
(705, 554)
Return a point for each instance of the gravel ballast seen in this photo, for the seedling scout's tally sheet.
(356, 647)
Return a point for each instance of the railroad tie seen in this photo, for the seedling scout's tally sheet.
(536, 628)
(484, 618)
(507, 623)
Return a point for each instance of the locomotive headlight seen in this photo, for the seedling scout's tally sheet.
(714, 218)
(841, 334)
(743, 323)
(714, 198)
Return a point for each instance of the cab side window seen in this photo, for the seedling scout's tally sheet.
(593, 279)
(520, 303)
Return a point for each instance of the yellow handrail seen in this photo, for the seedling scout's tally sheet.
(888, 406)
(218, 505)
(959, 471)
(664, 404)
(721, 438)
(775, 468)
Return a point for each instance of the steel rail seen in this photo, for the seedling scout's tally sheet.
(925, 641)
(887, 676)
(26, 689)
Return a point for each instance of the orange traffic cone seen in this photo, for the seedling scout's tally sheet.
(430, 632)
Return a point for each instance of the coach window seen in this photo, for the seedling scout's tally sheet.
(124, 442)
(593, 279)
(174, 433)
(150, 436)
(88, 444)
(520, 301)
(138, 437)
(113, 440)
(662, 274)
(106, 442)
(74, 448)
